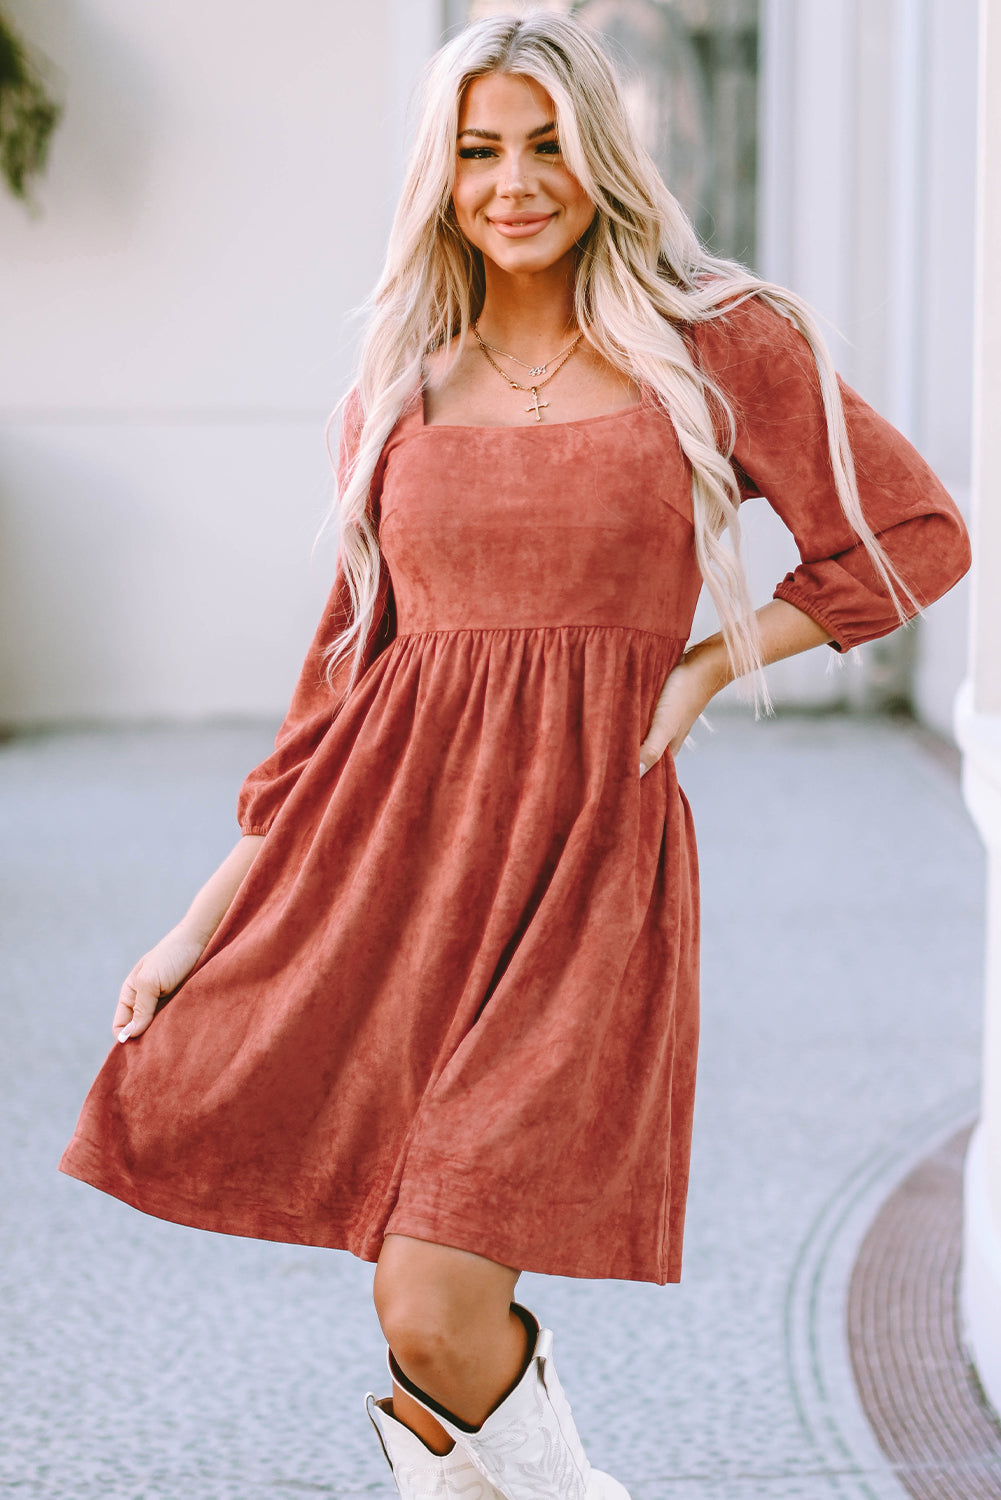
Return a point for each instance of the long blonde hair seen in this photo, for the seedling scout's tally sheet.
(643, 276)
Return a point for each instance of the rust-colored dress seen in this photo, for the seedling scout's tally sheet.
(456, 995)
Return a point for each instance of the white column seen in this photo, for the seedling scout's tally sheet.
(978, 723)
(905, 270)
(806, 215)
(806, 226)
(944, 377)
(867, 130)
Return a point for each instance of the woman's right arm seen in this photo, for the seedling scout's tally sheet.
(163, 968)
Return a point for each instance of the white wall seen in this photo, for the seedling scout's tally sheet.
(868, 130)
(218, 197)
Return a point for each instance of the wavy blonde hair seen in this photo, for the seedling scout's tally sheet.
(643, 277)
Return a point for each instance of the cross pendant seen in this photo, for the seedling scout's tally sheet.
(538, 404)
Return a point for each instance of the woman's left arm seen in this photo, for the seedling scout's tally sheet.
(780, 449)
(705, 668)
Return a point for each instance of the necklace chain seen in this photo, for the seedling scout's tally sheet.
(532, 369)
(558, 361)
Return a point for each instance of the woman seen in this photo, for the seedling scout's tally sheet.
(439, 1005)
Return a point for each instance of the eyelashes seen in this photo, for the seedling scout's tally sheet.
(484, 153)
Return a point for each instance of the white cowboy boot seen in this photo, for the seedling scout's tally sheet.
(528, 1447)
(419, 1473)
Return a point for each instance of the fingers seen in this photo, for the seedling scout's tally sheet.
(651, 749)
(147, 993)
(657, 741)
(665, 735)
(136, 1004)
(123, 1010)
(650, 754)
(121, 1026)
(673, 717)
(144, 1006)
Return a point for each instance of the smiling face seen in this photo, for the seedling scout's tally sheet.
(514, 197)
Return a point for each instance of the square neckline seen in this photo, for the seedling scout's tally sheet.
(426, 426)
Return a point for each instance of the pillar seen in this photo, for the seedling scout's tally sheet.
(978, 726)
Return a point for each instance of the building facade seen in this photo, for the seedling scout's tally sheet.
(177, 319)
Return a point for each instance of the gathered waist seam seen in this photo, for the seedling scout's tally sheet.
(656, 635)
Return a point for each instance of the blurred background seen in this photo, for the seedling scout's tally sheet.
(176, 312)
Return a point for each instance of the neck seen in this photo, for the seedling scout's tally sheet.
(531, 315)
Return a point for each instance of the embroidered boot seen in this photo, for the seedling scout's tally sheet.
(419, 1473)
(528, 1447)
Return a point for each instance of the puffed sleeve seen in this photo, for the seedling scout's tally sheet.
(315, 701)
(765, 368)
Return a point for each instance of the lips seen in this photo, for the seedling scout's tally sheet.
(521, 226)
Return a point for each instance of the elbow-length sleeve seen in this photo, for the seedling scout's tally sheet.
(765, 368)
(315, 701)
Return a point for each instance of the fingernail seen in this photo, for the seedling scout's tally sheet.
(126, 1032)
(643, 769)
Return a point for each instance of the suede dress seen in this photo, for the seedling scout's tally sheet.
(456, 996)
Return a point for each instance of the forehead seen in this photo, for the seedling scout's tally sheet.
(508, 103)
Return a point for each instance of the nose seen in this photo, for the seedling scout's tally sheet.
(513, 178)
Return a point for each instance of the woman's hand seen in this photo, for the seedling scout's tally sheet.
(163, 968)
(692, 684)
(158, 972)
(783, 630)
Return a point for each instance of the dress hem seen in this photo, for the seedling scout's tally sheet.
(448, 1229)
(83, 1161)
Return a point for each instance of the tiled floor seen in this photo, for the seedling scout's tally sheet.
(843, 888)
(904, 1321)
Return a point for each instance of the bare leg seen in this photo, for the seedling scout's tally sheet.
(446, 1315)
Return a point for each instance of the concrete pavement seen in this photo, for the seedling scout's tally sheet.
(842, 894)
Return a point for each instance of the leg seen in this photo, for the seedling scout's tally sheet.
(475, 1383)
(446, 1315)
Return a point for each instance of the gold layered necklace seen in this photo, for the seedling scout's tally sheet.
(557, 361)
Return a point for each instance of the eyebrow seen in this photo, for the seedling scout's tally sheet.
(492, 135)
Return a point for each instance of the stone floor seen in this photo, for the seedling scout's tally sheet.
(842, 890)
(918, 1388)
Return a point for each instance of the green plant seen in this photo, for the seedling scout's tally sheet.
(28, 115)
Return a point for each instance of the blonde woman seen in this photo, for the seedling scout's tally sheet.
(439, 1006)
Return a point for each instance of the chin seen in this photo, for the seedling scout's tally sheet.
(528, 262)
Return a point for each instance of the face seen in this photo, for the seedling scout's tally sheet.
(514, 197)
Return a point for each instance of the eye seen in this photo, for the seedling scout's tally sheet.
(550, 148)
(475, 153)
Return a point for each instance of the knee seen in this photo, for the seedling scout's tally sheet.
(439, 1306)
(427, 1314)
(421, 1330)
